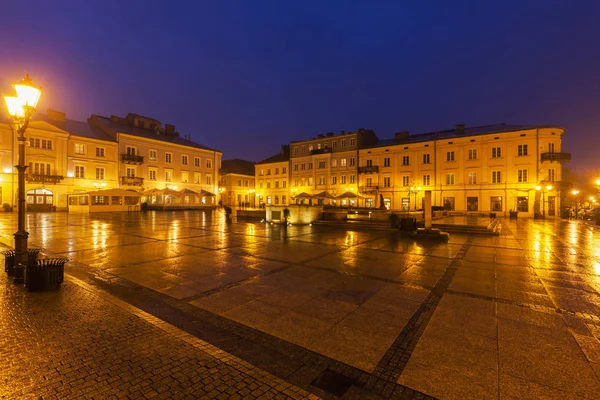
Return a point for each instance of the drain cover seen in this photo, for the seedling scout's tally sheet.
(333, 382)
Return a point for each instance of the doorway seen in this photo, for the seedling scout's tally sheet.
(39, 200)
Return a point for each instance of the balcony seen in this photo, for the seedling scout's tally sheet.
(558, 157)
(132, 180)
(368, 170)
(42, 178)
(132, 159)
(320, 151)
(368, 189)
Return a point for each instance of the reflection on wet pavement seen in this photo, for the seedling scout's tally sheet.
(510, 301)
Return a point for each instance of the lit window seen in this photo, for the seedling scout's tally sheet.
(450, 179)
(100, 173)
(79, 148)
(79, 171)
(168, 157)
(152, 155)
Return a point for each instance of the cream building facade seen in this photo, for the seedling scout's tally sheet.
(236, 186)
(68, 157)
(273, 179)
(327, 163)
(495, 168)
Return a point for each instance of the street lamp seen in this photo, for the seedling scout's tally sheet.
(575, 192)
(20, 108)
(413, 190)
(251, 195)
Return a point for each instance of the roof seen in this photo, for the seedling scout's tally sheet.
(149, 134)
(279, 157)
(453, 133)
(237, 166)
(77, 128)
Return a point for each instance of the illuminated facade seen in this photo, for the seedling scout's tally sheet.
(495, 168)
(273, 179)
(68, 157)
(236, 185)
(327, 163)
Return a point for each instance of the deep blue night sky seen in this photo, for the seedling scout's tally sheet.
(247, 76)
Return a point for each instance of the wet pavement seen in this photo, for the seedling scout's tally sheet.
(339, 313)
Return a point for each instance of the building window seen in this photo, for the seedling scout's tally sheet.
(523, 204)
(168, 175)
(405, 160)
(196, 161)
(246, 183)
(284, 169)
(387, 182)
(152, 174)
(310, 165)
(450, 179)
(40, 168)
(130, 172)
(352, 179)
(472, 178)
(295, 167)
(321, 180)
(276, 171)
(334, 144)
(321, 164)
(342, 162)
(208, 163)
(522, 150)
(268, 185)
(496, 203)
(79, 148)
(426, 158)
(310, 181)
(369, 182)
(496, 177)
(406, 180)
(343, 143)
(343, 179)
(184, 160)
(302, 167)
(449, 203)
(472, 203)
(152, 155)
(352, 161)
(303, 149)
(283, 199)
(386, 162)
(197, 177)
(99, 151)
(473, 154)
(276, 199)
(551, 174)
(496, 152)
(268, 171)
(334, 163)
(334, 180)
(352, 141)
(168, 157)
(426, 180)
(450, 156)
(185, 176)
(551, 147)
(79, 171)
(369, 163)
(209, 179)
(276, 184)
(522, 175)
(130, 150)
(100, 173)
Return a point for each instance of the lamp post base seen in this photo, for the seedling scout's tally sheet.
(21, 256)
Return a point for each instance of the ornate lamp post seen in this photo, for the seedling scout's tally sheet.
(414, 190)
(20, 108)
(251, 197)
(575, 192)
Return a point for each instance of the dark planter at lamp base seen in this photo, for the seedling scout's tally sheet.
(47, 274)
(513, 214)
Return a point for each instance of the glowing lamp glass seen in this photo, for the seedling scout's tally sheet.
(27, 92)
(14, 106)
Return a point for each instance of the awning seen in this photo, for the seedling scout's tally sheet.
(115, 192)
(206, 193)
(324, 195)
(303, 195)
(348, 195)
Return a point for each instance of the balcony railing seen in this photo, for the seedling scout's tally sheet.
(368, 189)
(132, 180)
(132, 159)
(552, 156)
(41, 178)
(368, 170)
(320, 151)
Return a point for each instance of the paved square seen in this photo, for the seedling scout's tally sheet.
(516, 315)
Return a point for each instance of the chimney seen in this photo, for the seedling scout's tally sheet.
(56, 115)
(170, 129)
(401, 135)
(460, 128)
(320, 135)
(361, 129)
(343, 132)
(329, 134)
(285, 149)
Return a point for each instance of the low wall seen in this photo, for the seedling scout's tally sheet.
(299, 214)
(251, 214)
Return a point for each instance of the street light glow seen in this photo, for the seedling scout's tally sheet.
(575, 192)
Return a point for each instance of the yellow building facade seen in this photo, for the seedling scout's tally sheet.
(488, 169)
(272, 177)
(236, 186)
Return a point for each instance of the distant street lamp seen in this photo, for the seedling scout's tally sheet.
(20, 108)
(413, 190)
(575, 193)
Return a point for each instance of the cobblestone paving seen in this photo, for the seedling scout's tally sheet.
(352, 314)
(82, 343)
